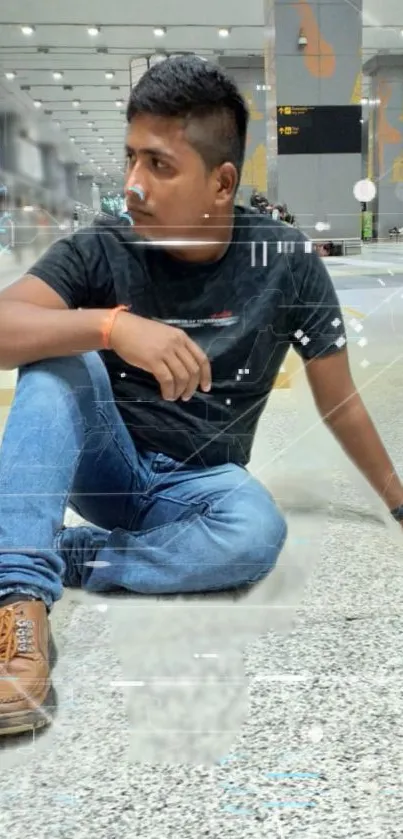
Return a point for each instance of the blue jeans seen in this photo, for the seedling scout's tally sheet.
(157, 527)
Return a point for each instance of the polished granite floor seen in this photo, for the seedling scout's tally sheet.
(301, 683)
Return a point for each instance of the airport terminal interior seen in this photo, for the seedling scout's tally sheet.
(280, 714)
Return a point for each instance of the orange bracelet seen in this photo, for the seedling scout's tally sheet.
(108, 325)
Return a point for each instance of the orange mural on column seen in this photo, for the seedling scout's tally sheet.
(387, 134)
(319, 55)
(255, 169)
(356, 95)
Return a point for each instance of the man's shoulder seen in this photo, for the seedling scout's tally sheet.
(104, 232)
(256, 227)
(265, 228)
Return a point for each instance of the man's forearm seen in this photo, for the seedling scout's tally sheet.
(355, 431)
(30, 333)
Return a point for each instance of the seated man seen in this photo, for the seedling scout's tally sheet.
(146, 355)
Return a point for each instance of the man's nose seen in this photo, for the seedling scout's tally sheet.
(136, 190)
(135, 185)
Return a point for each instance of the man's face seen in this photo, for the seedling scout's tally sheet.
(179, 195)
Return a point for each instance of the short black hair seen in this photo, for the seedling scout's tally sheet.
(201, 94)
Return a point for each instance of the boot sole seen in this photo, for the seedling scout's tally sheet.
(18, 722)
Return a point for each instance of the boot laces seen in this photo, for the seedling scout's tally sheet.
(16, 635)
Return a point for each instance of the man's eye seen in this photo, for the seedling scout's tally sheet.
(158, 164)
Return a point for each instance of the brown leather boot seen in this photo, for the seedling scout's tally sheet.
(25, 686)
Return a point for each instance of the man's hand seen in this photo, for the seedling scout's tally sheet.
(177, 363)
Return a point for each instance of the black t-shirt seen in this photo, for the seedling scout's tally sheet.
(269, 291)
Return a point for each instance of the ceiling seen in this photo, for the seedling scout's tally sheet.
(61, 43)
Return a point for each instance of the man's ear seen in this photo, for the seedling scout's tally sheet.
(227, 182)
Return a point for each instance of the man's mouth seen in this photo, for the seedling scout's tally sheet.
(138, 212)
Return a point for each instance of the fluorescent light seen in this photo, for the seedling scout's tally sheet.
(27, 30)
(160, 31)
(100, 139)
(90, 124)
(76, 103)
(83, 151)
(92, 160)
(57, 75)
(99, 168)
(223, 32)
(28, 208)
(10, 75)
(109, 151)
(93, 31)
(72, 139)
(119, 103)
(114, 160)
(109, 74)
(37, 103)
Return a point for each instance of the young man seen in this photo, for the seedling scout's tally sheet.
(142, 419)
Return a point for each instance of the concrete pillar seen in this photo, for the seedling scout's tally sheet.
(71, 180)
(84, 190)
(385, 150)
(271, 100)
(313, 58)
(248, 73)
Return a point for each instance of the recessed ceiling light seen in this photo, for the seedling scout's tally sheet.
(83, 151)
(76, 103)
(99, 168)
(223, 32)
(109, 74)
(119, 103)
(100, 139)
(90, 124)
(72, 139)
(10, 75)
(93, 31)
(109, 151)
(37, 103)
(160, 31)
(80, 174)
(114, 160)
(92, 160)
(57, 75)
(27, 30)
(57, 123)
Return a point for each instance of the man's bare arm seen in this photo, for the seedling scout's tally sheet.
(36, 323)
(345, 414)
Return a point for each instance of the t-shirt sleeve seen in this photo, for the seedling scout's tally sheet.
(64, 269)
(316, 321)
